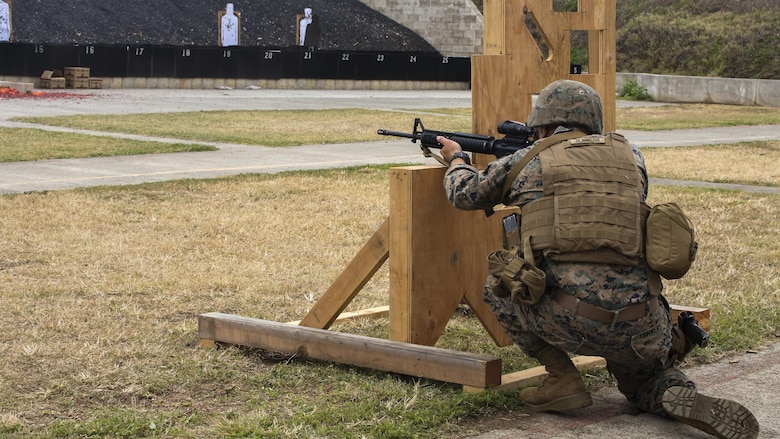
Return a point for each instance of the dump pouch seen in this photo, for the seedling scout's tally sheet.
(670, 244)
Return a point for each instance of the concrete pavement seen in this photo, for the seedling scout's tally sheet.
(752, 379)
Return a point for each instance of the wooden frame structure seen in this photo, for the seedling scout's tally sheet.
(437, 253)
(437, 260)
(514, 65)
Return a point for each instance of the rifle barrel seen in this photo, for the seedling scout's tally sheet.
(382, 132)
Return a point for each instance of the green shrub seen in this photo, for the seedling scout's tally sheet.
(631, 90)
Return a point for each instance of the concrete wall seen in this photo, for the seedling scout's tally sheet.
(698, 89)
(453, 27)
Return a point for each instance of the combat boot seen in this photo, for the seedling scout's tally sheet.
(563, 389)
(719, 417)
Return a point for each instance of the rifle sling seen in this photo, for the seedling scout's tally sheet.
(538, 147)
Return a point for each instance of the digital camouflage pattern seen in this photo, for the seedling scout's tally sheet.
(639, 353)
(568, 103)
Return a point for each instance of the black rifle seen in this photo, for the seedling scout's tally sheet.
(516, 136)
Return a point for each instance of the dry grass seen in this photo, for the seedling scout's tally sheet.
(101, 289)
(686, 116)
(20, 144)
(754, 163)
(735, 273)
(302, 127)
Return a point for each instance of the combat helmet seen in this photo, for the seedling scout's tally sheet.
(568, 103)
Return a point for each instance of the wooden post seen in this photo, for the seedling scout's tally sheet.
(438, 257)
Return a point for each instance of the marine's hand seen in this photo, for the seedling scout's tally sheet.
(448, 147)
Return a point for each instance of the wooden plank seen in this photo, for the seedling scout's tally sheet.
(376, 312)
(379, 311)
(390, 356)
(534, 375)
(493, 36)
(354, 277)
(424, 239)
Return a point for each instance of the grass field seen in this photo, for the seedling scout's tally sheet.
(100, 289)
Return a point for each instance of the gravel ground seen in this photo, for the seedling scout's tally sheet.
(345, 24)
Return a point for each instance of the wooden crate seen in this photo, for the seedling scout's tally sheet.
(52, 83)
(95, 82)
(49, 80)
(76, 82)
(77, 72)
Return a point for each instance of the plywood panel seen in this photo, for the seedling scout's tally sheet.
(437, 257)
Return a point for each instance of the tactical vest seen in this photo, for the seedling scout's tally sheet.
(591, 210)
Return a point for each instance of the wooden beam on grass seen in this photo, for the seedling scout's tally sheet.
(391, 356)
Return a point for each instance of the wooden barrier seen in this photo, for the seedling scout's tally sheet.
(437, 260)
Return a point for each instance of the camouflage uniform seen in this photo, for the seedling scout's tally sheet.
(639, 352)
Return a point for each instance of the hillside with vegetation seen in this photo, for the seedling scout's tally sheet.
(722, 38)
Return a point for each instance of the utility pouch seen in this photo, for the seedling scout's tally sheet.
(670, 244)
(518, 276)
